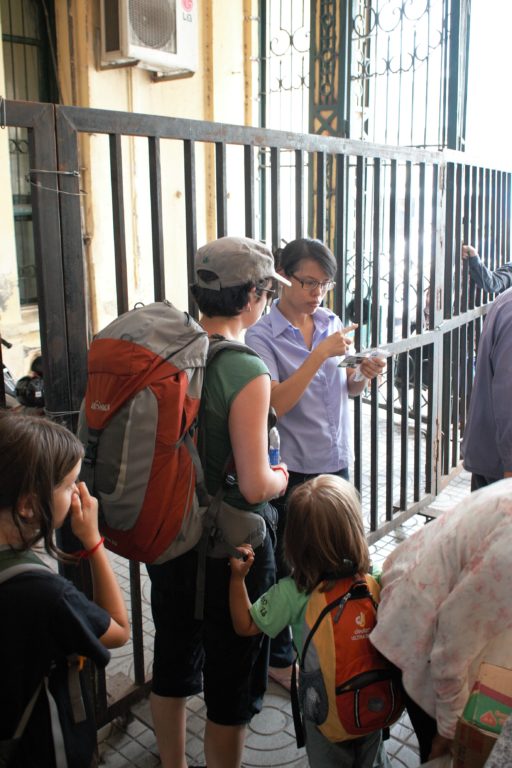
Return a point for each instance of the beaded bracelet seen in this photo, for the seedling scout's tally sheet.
(85, 553)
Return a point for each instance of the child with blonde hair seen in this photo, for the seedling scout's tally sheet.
(324, 542)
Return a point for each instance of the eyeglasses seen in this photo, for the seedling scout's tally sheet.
(270, 294)
(313, 285)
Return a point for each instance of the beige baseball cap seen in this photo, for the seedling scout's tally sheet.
(236, 261)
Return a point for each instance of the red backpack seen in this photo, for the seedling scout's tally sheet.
(138, 423)
(346, 687)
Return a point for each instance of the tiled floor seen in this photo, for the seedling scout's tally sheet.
(270, 741)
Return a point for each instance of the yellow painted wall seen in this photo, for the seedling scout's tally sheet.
(217, 91)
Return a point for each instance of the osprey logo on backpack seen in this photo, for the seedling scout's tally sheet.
(346, 687)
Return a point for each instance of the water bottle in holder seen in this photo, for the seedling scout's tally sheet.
(274, 447)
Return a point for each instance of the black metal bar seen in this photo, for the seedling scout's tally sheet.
(448, 253)
(320, 196)
(406, 314)
(464, 299)
(497, 222)
(157, 234)
(275, 187)
(446, 402)
(340, 246)
(392, 252)
(299, 193)
(249, 184)
(44, 190)
(220, 188)
(390, 382)
(458, 225)
(420, 302)
(431, 436)
(480, 240)
(360, 191)
(75, 299)
(375, 308)
(116, 175)
(507, 202)
(417, 359)
(160, 126)
(403, 362)
(433, 313)
(493, 203)
(455, 375)
(189, 158)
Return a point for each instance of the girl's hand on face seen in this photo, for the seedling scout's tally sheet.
(84, 516)
(240, 567)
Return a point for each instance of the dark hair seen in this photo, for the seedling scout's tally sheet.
(226, 302)
(37, 365)
(324, 537)
(295, 251)
(35, 456)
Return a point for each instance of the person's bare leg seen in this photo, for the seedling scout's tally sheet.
(223, 745)
(170, 722)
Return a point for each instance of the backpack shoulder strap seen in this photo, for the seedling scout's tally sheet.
(218, 343)
(373, 588)
(22, 562)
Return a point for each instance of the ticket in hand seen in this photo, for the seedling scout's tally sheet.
(351, 361)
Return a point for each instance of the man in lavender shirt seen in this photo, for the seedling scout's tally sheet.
(487, 443)
(302, 344)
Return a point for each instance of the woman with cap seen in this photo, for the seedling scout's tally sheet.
(233, 283)
(302, 343)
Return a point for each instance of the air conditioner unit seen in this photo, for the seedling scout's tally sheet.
(160, 35)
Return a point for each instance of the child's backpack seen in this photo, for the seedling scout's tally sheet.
(346, 687)
(139, 422)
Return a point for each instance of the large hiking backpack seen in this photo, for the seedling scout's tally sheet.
(139, 422)
(346, 687)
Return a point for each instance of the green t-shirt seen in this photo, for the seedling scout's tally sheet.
(282, 606)
(228, 373)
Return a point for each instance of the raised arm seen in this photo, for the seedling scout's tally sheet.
(286, 394)
(106, 591)
(489, 281)
(239, 603)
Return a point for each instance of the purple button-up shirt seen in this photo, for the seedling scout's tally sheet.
(315, 433)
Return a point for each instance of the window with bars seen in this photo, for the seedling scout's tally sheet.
(384, 71)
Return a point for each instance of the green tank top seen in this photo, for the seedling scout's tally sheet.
(228, 373)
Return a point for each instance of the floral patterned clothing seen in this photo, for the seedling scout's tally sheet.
(446, 602)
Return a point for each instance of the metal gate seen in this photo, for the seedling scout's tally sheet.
(399, 217)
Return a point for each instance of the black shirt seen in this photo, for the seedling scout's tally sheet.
(44, 619)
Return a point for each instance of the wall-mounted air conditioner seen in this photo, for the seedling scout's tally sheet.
(160, 35)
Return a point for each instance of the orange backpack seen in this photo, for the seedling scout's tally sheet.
(139, 422)
(346, 687)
